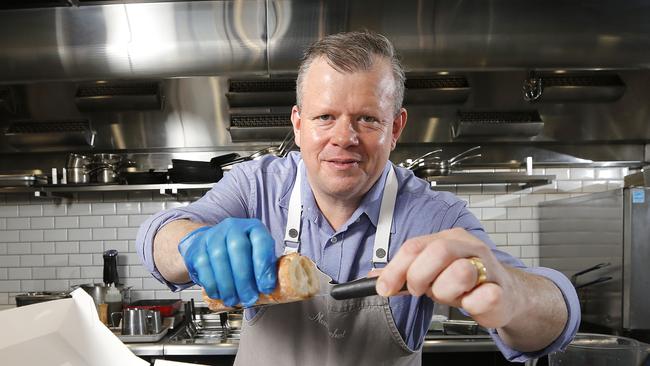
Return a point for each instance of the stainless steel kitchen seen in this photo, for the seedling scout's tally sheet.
(142, 142)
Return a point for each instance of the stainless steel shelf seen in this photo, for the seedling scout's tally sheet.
(66, 190)
(63, 190)
(522, 180)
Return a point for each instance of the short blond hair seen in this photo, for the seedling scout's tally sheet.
(350, 52)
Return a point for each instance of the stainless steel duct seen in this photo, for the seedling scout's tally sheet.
(475, 35)
(133, 40)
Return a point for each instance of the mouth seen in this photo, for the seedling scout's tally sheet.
(342, 163)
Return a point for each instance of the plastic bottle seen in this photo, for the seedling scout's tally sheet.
(114, 300)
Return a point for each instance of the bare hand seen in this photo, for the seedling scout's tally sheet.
(438, 265)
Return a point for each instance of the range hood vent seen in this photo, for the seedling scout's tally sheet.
(119, 96)
(261, 93)
(7, 100)
(436, 90)
(559, 88)
(497, 124)
(47, 135)
(31, 4)
(259, 127)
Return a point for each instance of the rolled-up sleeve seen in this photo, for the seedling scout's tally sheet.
(465, 219)
(230, 197)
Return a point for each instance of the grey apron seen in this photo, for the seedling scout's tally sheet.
(324, 331)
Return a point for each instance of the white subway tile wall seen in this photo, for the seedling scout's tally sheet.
(47, 245)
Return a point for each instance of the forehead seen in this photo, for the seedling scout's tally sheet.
(323, 83)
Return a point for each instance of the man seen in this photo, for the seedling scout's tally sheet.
(341, 203)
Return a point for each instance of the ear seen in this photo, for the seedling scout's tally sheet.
(295, 121)
(398, 126)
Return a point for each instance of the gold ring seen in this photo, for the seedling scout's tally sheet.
(481, 271)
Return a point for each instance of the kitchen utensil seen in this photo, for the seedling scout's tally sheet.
(110, 267)
(154, 322)
(148, 177)
(287, 144)
(430, 167)
(98, 292)
(14, 180)
(601, 350)
(411, 163)
(134, 321)
(107, 168)
(358, 288)
(141, 321)
(166, 307)
(78, 168)
(37, 297)
(460, 327)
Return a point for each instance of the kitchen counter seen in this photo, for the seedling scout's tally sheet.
(432, 344)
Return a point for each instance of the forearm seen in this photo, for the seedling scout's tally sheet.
(541, 313)
(168, 260)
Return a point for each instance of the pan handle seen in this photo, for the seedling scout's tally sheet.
(358, 288)
(465, 158)
(598, 280)
(590, 269)
(453, 159)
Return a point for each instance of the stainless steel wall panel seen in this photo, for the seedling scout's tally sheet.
(133, 40)
(456, 34)
(621, 302)
(636, 255)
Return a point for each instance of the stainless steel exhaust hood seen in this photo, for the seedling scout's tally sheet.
(222, 64)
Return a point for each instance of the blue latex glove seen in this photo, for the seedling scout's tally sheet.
(233, 261)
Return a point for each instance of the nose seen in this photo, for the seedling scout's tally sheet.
(344, 133)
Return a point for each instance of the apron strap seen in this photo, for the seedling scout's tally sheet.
(292, 231)
(382, 235)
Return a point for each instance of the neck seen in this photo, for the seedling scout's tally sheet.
(336, 211)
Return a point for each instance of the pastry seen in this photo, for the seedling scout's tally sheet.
(297, 280)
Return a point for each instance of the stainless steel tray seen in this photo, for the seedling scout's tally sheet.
(15, 180)
(141, 338)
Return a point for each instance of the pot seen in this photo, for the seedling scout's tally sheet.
(435, 166)
(601, 349)
(78, 169)
(107, 168)
(77, 175)
(77, 161)
(98, 292)
(37, 297)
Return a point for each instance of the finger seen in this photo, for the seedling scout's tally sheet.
(375, 272)
(264, 259)
(454, 281)
(440, 253)
(200, 269)
(240, 254)
(393, 276)
(220, 262)
(486, 305)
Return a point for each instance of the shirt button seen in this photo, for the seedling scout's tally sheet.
(358, 220)
(334, 240)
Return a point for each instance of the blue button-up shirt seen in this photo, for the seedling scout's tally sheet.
(261, 189)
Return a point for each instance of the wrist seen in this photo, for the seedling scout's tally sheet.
(185, 242)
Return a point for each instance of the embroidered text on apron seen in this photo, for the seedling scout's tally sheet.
(324, 331)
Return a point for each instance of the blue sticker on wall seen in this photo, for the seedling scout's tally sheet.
(638, 196)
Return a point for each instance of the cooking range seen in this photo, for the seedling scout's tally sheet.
(205, 327)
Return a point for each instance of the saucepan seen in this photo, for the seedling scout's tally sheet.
(601, 350)
(281, 151)
(428, 166)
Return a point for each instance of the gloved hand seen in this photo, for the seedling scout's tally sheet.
(233, 261)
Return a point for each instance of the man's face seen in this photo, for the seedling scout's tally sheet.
(346, 128)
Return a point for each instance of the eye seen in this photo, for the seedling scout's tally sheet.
(325, 117)
(368, 119)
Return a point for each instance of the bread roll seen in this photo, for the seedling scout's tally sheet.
(297, 280)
